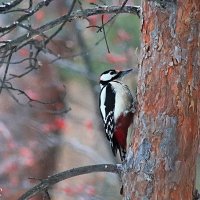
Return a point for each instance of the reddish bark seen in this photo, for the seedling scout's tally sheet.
(162, 158)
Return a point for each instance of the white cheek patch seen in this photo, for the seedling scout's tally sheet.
(106, 77)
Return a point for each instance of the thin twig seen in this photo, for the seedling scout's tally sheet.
(9, 86)
(13, 76)
(25, 10)
(118, 12)
(62, 25)
(26, 16)
(51, 180)
(9, 5)
(50, 38)
(18, 61)
(6, 70)
(104, 34)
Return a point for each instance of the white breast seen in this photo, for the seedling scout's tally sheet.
(123, 99)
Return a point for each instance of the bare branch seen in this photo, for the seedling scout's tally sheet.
(50, 38)
(104, 34)
(8, 86)
(6, 70)
(26, 16)
(7, 6)
(118, 12)
(51, 180)
(74, 15)
(13, 76)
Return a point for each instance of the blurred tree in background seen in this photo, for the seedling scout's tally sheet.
(49, 71)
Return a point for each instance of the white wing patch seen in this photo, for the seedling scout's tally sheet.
(102, 105)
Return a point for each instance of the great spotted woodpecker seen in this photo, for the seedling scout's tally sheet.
(116, 107)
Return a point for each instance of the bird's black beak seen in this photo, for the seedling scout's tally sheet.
(124, 73)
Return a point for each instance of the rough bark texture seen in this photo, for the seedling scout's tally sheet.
(162, 158)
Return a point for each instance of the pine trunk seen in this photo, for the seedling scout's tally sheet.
(161, 162)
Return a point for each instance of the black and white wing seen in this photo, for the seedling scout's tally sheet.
(107, 106)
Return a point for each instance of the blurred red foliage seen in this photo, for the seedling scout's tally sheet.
(32, 94)
(69, 190)
(116, 59)
(90, 190)
(91, 1)
(96, 20)
(89, 125)
(93, 21)
(23, 52)
(25, 152)
(59, 123)
(39, 15)
(122, 35)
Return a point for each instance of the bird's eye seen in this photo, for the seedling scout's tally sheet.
(112, 72)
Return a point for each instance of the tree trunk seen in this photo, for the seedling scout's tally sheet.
(161, 160)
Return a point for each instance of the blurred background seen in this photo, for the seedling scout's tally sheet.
(62, 129)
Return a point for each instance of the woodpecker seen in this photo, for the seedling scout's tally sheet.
(117, 109)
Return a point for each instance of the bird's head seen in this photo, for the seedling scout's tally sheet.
(111, 75)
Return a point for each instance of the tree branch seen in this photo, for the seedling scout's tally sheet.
(7, 6)
(6, 70)
(74, 15)
(26, 16)
(51, 180)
